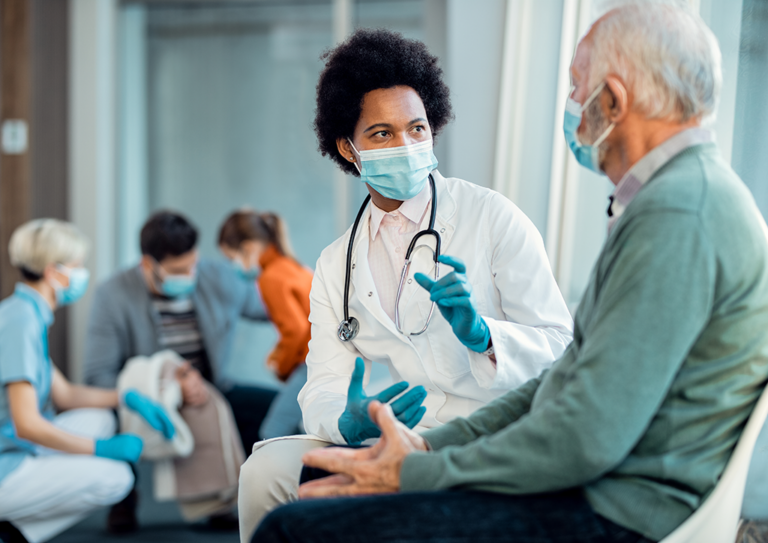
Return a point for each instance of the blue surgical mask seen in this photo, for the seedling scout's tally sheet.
(177, 286)
(397, 173)
(586, 155)
(249, 274)
(78, 284)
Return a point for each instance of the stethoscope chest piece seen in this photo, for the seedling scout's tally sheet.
(348, 329)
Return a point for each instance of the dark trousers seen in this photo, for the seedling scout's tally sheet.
(445, 516)
(249, 405)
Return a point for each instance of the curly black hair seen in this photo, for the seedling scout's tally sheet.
(369, 60)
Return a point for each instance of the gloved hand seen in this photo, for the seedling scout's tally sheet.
(125, 447)
(453, 295)
(150, 411)
(356, 425)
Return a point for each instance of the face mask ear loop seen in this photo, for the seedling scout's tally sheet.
(592, 96)
(358, 156)
(604, 135)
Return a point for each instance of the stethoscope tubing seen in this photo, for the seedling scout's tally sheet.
(349, 327)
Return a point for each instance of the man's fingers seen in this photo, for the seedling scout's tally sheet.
(456, 263)
(334, 485)
(390, 392)
(416, 418)
(355, 390)
(333, 459)
(414, 396)
(385, 419)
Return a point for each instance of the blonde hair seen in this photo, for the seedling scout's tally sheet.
(38, 243)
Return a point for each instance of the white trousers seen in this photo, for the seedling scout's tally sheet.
(50, 492)
(270, 477)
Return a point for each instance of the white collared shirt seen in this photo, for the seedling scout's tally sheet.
(391, 233)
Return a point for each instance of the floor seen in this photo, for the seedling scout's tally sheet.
(160, 523)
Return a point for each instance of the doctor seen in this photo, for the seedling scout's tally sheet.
(381, 102)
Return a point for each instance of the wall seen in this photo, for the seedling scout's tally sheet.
(474, 37)
(92, 134)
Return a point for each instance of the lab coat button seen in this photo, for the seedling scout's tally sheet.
(410, 281)
(442, 230)
(370, 294)
(353, 266)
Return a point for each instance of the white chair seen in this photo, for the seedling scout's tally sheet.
(717, 520)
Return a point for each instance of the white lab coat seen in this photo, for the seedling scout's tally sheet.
(513, 290)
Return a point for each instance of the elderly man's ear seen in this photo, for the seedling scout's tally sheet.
(616, 100)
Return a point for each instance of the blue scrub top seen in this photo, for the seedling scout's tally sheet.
(24, 320)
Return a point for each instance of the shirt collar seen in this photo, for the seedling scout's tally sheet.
(645, 168)
(43, 309)
(412, 209)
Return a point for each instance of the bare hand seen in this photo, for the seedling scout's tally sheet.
(193, 389)
(375, 470)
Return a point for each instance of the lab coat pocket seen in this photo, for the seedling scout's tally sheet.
(449, 355)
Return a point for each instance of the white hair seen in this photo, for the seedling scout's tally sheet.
(664, 53)
(38, 243)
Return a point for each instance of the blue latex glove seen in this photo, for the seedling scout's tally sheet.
(356, 425)
(453, 295)
(125, 447)
(150, 411)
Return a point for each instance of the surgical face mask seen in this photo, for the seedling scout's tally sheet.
(397, 173)
(78, 284)
(248, 273)
(177, 286)
(586, 155)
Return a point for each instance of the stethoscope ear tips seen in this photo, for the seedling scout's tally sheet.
(348, 329)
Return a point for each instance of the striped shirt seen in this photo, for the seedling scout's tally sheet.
(179, 331)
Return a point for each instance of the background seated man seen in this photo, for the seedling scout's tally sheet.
(623, 438)
(174, 300)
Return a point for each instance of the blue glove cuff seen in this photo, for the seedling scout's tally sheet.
(478, 341)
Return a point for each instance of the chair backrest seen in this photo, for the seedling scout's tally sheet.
(716, 521)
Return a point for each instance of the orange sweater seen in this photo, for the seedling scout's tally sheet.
(285, 286)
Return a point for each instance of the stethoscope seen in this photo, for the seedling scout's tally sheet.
(350, 326)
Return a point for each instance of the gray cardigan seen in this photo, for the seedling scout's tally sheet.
(124, 324)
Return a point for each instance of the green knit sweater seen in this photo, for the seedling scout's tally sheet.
(670, 354)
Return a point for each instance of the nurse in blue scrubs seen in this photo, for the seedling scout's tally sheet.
(59, 456)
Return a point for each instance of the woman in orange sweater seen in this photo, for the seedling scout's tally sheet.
(259, 241)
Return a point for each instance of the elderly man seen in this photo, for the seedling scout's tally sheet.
(629, 431)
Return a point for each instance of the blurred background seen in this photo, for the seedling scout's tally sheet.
(112, 110)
